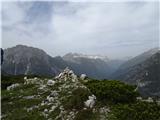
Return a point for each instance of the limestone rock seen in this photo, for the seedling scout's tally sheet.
(83, 76)
(50, 82)
(91, 102)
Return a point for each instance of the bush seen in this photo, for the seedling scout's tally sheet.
(112, 91)
(86, 115)
(135, 111)
(76, 101)
(9, 80)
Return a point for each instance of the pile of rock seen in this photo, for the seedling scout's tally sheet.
(67, 74)
(54, 92)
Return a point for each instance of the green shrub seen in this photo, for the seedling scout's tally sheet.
(8, 80)
(86, 115)
(76, 101)
(112, 91)
(135, 111)
(20, 114)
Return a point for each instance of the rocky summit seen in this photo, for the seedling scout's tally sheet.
(63, 97)
(71, 97)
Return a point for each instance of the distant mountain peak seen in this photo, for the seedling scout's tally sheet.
(23, 59)
(79, 55)
(142, 70)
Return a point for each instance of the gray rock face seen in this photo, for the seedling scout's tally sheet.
(130, 64)
(145, 74)
(93, 66)
(28, 60)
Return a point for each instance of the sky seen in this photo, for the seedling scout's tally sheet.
(113, 29)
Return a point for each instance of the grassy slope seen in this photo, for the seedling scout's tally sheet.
(118, 97)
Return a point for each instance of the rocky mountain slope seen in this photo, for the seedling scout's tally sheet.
(93, 66)
(59, 98)
(134, 61)
(28, 60)
(149, 79)
(143, 71)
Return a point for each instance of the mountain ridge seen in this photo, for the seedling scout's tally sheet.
(23, 59)
(145, 73)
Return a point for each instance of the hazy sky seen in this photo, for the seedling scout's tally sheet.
(115, 29)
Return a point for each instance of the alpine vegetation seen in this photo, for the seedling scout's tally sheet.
(70, 97)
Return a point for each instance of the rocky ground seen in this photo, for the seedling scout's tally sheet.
(71, 97)
(64, 97)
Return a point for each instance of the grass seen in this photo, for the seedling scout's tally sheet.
(119, 97)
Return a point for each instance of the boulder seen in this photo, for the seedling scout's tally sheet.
(83, 76)
(91, 102)
(50, 82)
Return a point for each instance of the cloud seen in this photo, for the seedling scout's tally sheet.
(112, 29)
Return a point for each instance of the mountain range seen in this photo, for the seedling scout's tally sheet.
(28, 60)
(142, 70)
(22, 59)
